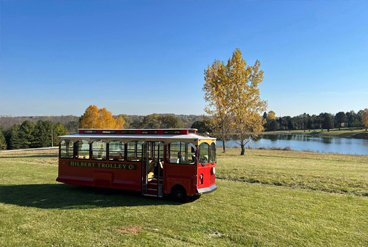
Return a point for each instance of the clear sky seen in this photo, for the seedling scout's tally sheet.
(142, 57)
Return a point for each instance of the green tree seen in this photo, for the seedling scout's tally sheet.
(152, 121)
(357, 123)
(290, 124)
(170, 122)
(73, 125)
(327, 122)
(136, 124)
(365, 118)
(42, 134)
(59, 130)
(350, 117)
(12, 137)
(26, 134)
(340, 118)
(3, 145)
(202, 126)
(272, 126)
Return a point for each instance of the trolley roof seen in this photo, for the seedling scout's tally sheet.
(156, 135)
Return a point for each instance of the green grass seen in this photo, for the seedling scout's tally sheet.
(346, 174)
(37, 211)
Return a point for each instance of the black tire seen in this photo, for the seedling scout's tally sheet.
(178, 194)
(103, 191)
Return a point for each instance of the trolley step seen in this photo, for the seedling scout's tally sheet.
(150, 195)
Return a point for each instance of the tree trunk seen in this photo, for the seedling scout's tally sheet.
(224, 143)
(242, 145)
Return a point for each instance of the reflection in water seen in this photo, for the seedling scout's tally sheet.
(272, 138)
(309, 143)
(326, 140)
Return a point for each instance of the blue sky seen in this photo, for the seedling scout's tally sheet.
(142, 57)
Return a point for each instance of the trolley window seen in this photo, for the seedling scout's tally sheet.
(82, 149)
(99, 150)
(134, 151)
(181, 153)
(116, 151)
(203, 153)
(153, 149)
(66, 149)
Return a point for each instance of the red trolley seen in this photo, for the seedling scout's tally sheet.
(154, 161)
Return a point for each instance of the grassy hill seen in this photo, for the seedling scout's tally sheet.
(265, 198)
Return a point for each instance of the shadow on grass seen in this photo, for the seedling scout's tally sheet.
(62, 196)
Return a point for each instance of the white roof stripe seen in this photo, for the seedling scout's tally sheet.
(137, 137)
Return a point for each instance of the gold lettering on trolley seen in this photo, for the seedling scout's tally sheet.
(103, 165)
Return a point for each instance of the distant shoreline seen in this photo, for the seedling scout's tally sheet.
(345, 134)
(333, 133)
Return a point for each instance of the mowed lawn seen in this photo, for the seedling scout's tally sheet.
(264, 198)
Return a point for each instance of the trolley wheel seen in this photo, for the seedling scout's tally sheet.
(178, 194)
(103, 191)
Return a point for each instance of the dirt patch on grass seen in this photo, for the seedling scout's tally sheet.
(131, 230)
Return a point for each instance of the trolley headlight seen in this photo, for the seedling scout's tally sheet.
(213, 170)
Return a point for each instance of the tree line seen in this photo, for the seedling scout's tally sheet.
(301, 122)
(95, 118)
(322, 121)
(7, 121)
(30, 135)
(72, 123)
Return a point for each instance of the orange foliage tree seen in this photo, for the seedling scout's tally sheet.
(95, 118)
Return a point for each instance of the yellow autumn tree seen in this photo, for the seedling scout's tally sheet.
(90, 118)
(218, 101)
(365, 118)
(234, 98)
(95, 118)
(246, 104)
(271, 115)
(120, 122)
(107, 121)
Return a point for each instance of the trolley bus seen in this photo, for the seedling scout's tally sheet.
(153, 161)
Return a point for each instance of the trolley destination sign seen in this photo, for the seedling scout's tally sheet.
(103, 165)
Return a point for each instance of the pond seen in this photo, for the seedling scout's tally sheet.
(308, 143)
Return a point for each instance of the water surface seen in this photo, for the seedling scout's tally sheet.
(309, 143)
